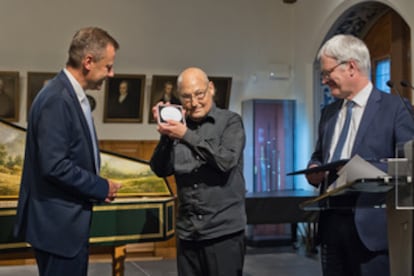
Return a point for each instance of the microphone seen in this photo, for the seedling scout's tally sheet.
(405, 83)
(390, 84)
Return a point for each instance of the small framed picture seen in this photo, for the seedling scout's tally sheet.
(223, 89)
(163, 89)
(124, 99)
(35, 82)
(9, 96)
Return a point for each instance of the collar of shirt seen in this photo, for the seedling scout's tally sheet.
(361, 98)
(211, 115)
(80, 93)
(360, 101)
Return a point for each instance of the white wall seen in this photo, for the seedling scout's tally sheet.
(237, 38)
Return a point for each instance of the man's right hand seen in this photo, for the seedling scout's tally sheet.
(112, 191)
(315, 178)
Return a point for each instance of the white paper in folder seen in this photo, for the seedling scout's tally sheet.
(355, 168)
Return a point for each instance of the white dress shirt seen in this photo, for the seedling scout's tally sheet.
(360, 101)
(81, 96)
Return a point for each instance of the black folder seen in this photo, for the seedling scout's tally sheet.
(322, 168)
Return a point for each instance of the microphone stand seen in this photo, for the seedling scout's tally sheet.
(406, 84)
(407, 105)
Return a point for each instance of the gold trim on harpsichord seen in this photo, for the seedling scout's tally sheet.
(119, 238)
(163, 227)
(167, 206)
(8, 204)
(125, 237)
(8, 213)
(14, 245)
(99, 208)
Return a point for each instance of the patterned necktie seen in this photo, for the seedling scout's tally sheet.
(344, 133)
(88, 116)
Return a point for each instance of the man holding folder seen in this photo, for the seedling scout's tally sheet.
(366, 122)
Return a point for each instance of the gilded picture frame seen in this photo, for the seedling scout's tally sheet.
(9, 95)
(223, 90)
(124, 99)
(35, 82)
(161, 86)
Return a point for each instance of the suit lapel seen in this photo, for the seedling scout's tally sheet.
(62, 77)
(371, 109)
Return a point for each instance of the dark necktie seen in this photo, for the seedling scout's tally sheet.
(344, 133)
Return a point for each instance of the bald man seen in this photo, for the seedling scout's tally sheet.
(206, 157)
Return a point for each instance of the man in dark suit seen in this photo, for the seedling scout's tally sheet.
(355, 242)
(60, 180)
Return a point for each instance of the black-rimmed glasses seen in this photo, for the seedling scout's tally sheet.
(326, 74)
(198, 95)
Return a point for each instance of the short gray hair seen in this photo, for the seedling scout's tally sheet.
(344, 47)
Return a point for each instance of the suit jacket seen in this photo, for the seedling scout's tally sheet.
(59, 182)
(385, 123)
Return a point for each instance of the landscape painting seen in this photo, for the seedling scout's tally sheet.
(136, 176)
(12, 142)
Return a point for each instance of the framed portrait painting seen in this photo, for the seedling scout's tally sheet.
(124, 99)
(35, 82)
(9, 96)
(163, 89)
(223, 89)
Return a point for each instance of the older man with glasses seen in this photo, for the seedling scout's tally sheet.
(205, 155)
(363, 121)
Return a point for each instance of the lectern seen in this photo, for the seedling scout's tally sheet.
(393, 192)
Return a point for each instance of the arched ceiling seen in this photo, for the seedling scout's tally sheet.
(358, 19)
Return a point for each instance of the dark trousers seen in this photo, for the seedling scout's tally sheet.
(51, 265)
(342, 251)
(223, 256)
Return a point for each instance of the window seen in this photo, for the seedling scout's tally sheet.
(383, 74)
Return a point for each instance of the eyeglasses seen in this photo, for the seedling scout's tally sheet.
(198, 95)
(326, 74)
